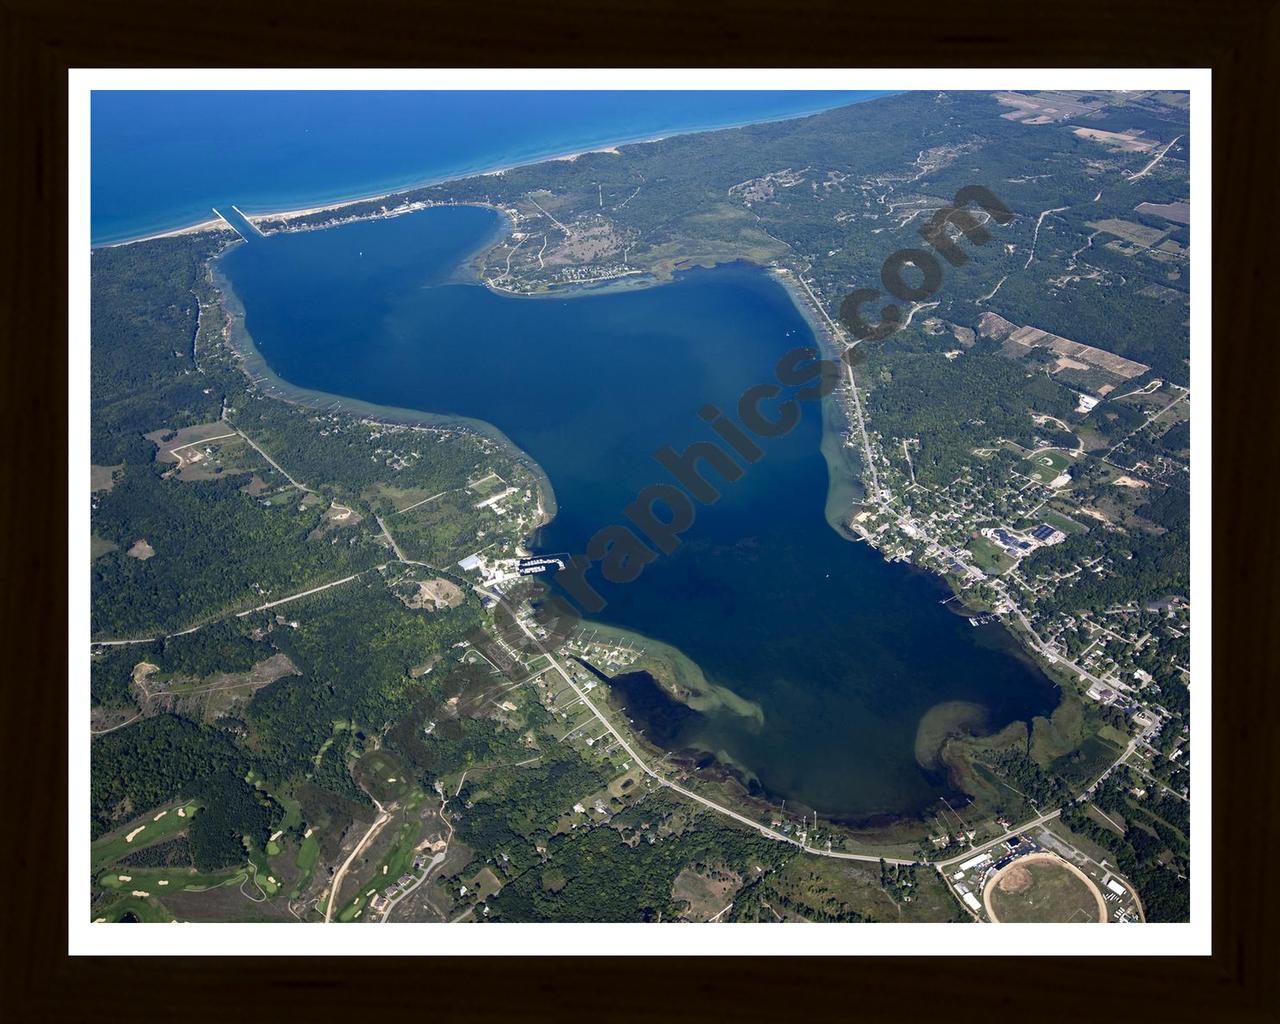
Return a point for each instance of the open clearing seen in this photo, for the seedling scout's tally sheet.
(1179, 213)
(1129, 231)
(1026, 338)
(436, 594)
(1128, 141)
(704, 894)
(202, 452)
(103, 478)
(141, 550)
(1044, 888)
(210, 697)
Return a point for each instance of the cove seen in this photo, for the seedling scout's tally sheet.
(841, 653)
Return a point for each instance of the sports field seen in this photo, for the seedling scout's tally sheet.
(1047, 464)
(1043, 888)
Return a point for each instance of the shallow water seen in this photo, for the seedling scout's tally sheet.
(843, 652)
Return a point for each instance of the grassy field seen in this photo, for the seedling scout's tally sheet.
(1087, 762)
(817, 889)
(988, 557)
(308, 855)
(1062, 522)
(384, 776)
(154, 881)
(1060, 734)
(399, 857)
(1035, 890)
(706, 893)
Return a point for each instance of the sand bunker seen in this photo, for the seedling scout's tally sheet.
(129, 837)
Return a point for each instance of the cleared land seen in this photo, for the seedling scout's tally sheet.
(1032, 337)
(1179, 213)
(1128, 141)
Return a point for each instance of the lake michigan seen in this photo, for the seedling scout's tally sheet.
(161, 160)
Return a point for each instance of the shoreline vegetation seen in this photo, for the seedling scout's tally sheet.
(678, 674)
(266, 380)
(1008, 773)
(670, 669)
(673, 671)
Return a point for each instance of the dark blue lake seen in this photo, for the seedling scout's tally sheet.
(841, 652)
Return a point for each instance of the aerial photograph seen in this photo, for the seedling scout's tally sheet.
(636, 507)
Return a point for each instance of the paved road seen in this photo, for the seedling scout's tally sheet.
(661, 780)
(305, 593)
(374, 829)
(253, 444)
(392, 541)
(1159, 156)
(974, 851)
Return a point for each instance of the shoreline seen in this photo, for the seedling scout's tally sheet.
(253, 214)
(844, 490)
(213, 225)
(258, 372)
(844, 466)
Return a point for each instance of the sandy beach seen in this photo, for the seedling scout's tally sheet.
(340, 204)
(212, 224)
(256, 216)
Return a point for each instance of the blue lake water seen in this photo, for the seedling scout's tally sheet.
(842, 652)
(161, 160)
